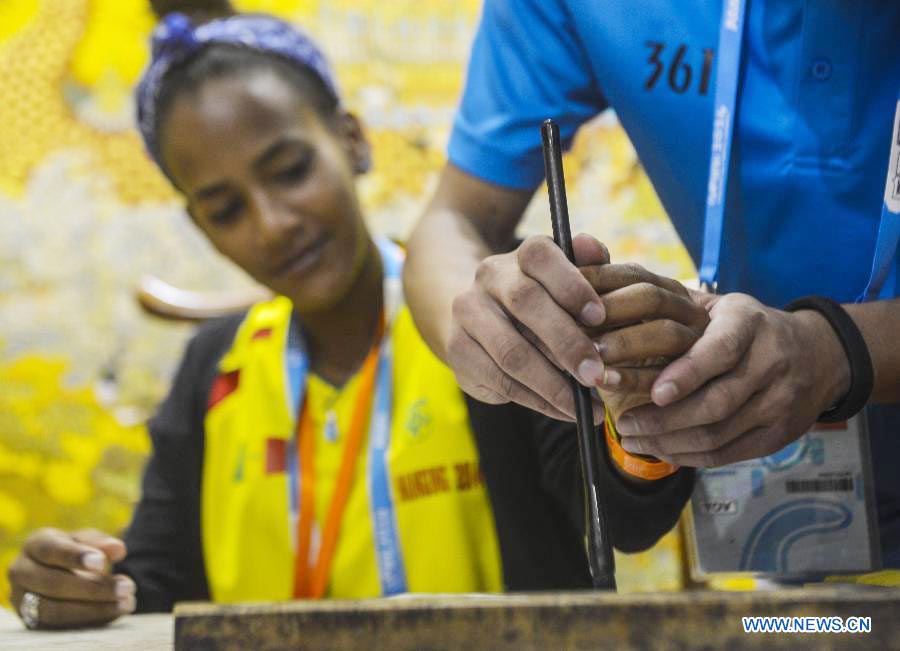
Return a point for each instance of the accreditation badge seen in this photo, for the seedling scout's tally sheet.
(806, 510)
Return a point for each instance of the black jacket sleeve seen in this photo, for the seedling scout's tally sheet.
(165, 554)
(533, 474)
(638, 516)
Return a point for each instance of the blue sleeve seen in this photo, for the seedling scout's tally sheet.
(527, 65)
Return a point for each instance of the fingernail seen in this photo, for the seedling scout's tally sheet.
(630, 445)
(627, 424)
(590, 371)
(593, 313)
(127, 604)
(124, 588)
(94, 561)
(665, 393)
(611, 378)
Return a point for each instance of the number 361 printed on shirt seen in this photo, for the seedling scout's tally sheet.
(675, 65)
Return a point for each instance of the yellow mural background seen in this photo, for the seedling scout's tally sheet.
(83, 214)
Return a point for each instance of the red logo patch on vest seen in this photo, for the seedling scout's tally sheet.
(264, 333)
(276, 456)
(223, 386)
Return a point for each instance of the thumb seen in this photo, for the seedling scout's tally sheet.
(589, 250)
(112, 547)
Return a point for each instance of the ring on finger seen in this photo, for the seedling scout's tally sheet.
(30, 610)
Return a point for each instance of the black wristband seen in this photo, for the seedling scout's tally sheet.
(862, 376)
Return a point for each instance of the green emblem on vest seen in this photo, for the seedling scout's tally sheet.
(239, 468)
(418, 418)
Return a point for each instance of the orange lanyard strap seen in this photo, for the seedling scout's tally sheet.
(312, 581)
(306, 451)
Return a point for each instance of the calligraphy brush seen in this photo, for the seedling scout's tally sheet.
(599, 545)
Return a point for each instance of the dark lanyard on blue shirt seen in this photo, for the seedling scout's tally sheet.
(388, 554)
(731, 36)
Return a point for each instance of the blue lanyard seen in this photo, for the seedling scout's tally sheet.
(388, 555)
(731, 39)
(889, 227)
(731, 36)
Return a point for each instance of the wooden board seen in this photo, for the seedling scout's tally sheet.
(133, 633)
(636, 622)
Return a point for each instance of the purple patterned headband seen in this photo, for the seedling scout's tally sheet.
(176, 40)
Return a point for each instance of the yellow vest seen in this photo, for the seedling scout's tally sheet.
(444, 518)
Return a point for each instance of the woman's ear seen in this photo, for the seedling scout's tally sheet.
(355, 140)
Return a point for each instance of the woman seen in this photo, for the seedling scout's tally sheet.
(313, 446)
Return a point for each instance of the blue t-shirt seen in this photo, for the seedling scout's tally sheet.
(819, 84)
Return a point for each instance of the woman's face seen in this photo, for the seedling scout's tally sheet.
(271, 184)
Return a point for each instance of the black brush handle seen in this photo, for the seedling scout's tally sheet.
(599, 545)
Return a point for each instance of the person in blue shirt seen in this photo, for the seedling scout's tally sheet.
(813, 132)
